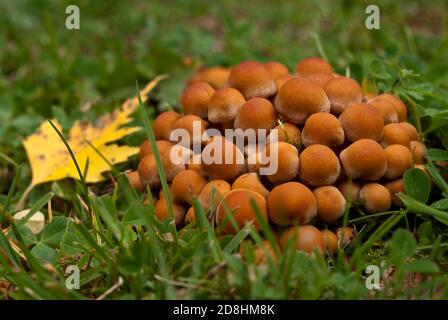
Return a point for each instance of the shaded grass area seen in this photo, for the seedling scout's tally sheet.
(48, 71)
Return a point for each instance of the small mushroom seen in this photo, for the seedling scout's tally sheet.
(256, 113)
(418, 150)
(307, 238)
(187, 185)
(290, 203)
(362, 121)
(219, 188)
(399, 159)
(162, 212)
(342, 91)
(364, 159)
(323, 128)
(134, 180)
(252, 79)
(386, 108)
(395, 133)
(330, 203)
(330, 241)
(163, 124)
(287, 158)
(299, 98)
(276, 69)
(224, 105)
(313, 65)
(376, 197)
(146, 148)
(250, 181)
(319, 166)
(196, 99)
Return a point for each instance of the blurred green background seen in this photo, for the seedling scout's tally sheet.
(48, 71)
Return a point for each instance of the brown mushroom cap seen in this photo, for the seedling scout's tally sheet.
(252, 79)
(400, 107)
(386, 108)
(238, 203)
(290, 203)
(289, 133)
(162, 212)
(220, 188)
(224, 105)
(418, 150)
(256, 113)
(350, 188)
(342, 91)
(399, 159)
(214, 162)
(394, 188)
(298, 98)
(411, 130)
(319, 166)
(323, 128)
(307, 238)
(134, 179)
(362, 121)
(186, 185)
(330, 203)
(188, 122)
(147, 169)
(319, 78)
(146, 148)
(376, 197)
(330, 241)
(215, 76)
(250, 181)
(196, 99)
(163, 124)
(345, 235)
(280, 81)
(395, 133)
(364, 159)
(276, 69)
(313, 65)
(287, 158)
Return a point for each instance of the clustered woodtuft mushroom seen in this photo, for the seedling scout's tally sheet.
(337, 147)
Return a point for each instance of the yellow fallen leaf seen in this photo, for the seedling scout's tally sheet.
(51, 161)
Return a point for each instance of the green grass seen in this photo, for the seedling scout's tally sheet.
(47, 71)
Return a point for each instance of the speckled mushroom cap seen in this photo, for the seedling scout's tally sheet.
(313, 65)
(319, 166)
(342, 91)
(299, 98)
(291, 203)
(362, 121)
(323, 128)
(252, 79)
(196, 99)
(256, 113)
(238, 203)
(364, 159)
(224, 105)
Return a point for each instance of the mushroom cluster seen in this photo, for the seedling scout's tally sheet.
(337, 146)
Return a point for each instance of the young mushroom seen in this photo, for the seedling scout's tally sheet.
(224, 105)
(216, 189)
(330, 203)
(376, 197)
(162, 212)
(394, 188)
(319, 166)
(187, 185)
(289, 133)
(350, 189)
(386, 108)
(299, 98)
(252, 79)
(256, 113)
(400, 107)
(189, 123)
(196, 99)
(342, 91)
(146, 148)
(330, 241)
(276, 69)
(418, 150)
(134, 180)
(396, 133)
(250, 181)
(399, 159)
(290, 203)
(238, 203)
(364, 159)
(313, 65)
(163, 124)
(306, 238)
(323, 128)
(287, 158)
(222, 159)
(362, 121)
(214, 76)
